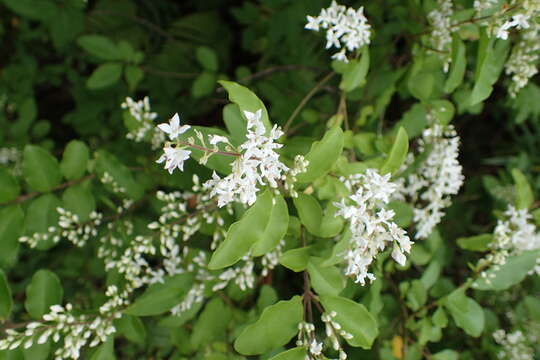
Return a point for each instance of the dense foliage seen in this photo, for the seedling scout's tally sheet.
(205, 180)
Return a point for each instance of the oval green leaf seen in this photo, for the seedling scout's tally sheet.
(353, 318)
(40, 169)
(43, 291)
(277, 325)
(74, 160)
(322, 155)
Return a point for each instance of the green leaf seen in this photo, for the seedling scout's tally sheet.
(421, 85)
(309, 212)
(457, 66)
(414, 120)
(133, 75)
(40, 168)
(106, 162)
(11, 223)
(161, 297)
(446, 354)
(524, 194)
(323, 155)
(403, 213)
(276, 228)
(416, 295)
(222, 164)
(490, 62)
(235, 123)
(246, 100)
(295, 259)
(431, 274)
(40, 216)
(43, 291)
(79, 200)
(331, 224)
(327, 280)
(398, 153)
(105, 351)
(132, 328)
(207, 58)
(40, 10)
(512, 272)
(267, 296)
(100, 47)
(38, 351)
(355, 73)
(297, 353)
(532, 304)
(442, 110)
(211, 324)
(9, 187)
(204, 84)
(5, 296)
(466, 313)
(68, 23)
(75, 160)
(261, 227)
(276, 326)
(439, 317)
(354, 318)
(475, 243)
(105, 75)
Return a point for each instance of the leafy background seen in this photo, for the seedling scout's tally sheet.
(66, 66)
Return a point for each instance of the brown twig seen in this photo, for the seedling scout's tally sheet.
(31, 195)
(306, 98)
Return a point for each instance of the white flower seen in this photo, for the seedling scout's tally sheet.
(315, 348)
(216, 139)
(441, 36)
(174, 158)
(173, 128)
(346, 28)
(437, 178)
(523, 62)
(370, 223)
(258, 164)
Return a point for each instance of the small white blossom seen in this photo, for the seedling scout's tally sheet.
(523, 62)
(441, 35)
(370, 223)
(438, 178)
(173, 157)
(515, 345)
(173, 128)
(258, 164)
(346, 28)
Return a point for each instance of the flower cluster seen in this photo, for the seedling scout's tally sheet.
(142, 113)
(70, 227)
(9, 154)
(76, 231)
(515, 345)
(441, 34)
(523, 62)
(513, 234)
(481, 5)
(346, 28)
(258, 164)
(370, 223)
(314, 348)
(522, 17)
(107, 179)
(75, 331)
(439, 177)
